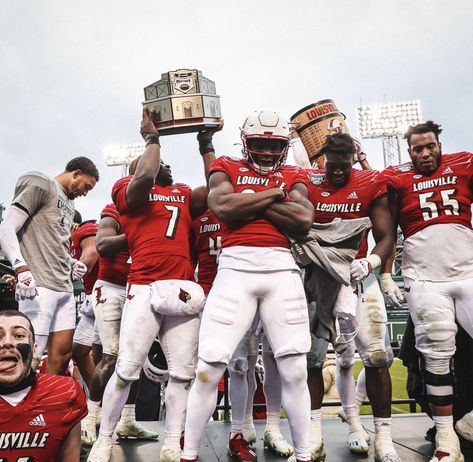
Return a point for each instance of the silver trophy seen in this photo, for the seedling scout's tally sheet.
(184, 101)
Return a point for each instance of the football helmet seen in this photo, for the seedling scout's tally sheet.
(265, 136)
(156, 366)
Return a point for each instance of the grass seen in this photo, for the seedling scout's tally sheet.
(398, 378)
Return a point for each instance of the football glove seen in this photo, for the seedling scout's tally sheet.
(78, 269)
(25, 285)
(391, 292)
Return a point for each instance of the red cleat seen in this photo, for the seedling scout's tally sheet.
(238, 447)
(188, 460)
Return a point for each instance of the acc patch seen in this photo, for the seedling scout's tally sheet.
(317, 178)
(244, 169)
(405, 167)
(204, 218)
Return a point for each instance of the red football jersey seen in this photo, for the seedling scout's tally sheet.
(443, 197)
(348, 202)
(257, 232)
(208, 243)
(160, 229)
(114, 268)
(86, 229)
(34, 429)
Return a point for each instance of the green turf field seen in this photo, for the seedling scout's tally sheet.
(399, 378)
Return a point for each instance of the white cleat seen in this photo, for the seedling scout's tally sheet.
(464, 426)
(88, 431)
(277, 443)
(384, 451)
(317, 451)
(357, 443)
(134, 430)
(447, 448)
(249, 434)
(170, 454)
(101, 450)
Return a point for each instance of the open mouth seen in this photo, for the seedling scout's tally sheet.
(8, 362)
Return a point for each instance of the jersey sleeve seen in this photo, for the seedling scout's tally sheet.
(77, 408)
(221, 164)
(31, 192)
(87, 229)
(119, 194)
(380, 186)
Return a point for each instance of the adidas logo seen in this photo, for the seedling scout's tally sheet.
(278, 174)
(447, 170)
(38, 421)
(175, 190)
(352, 195)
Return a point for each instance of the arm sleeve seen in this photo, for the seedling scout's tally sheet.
(14, 220)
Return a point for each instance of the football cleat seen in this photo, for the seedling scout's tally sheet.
(88, 430)
(134, 430)
(188, 460)
(357, 443)
(249, 434)
(317, 451)
(170, 454)
(277, 443)
(101, 450)
(293, 459)
(384, 451)
(447, 448)
(464, 426)
(238, 448)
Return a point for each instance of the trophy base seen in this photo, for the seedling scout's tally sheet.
(175, 127)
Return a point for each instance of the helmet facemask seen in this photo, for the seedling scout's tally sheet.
(265, 137)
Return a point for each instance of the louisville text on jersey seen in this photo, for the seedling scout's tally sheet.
(442, 181)
(209, 228)
(338, 208)
(23, 440)
(153, 197)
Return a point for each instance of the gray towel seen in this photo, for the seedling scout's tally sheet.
(326, 253)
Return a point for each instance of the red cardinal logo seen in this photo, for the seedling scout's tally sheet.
(98, 296)
(184, 296)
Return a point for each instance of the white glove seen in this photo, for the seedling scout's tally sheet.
(78, 269)
(360, 268)
(391, 292)
(25, 286)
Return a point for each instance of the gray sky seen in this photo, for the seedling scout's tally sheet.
(72, 72)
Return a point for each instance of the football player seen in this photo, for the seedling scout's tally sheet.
(83, 248)
(257, 200)
(109, 294)
(162, 300)
(343, 192)
(40, 414)
(35, 238)
(241, 368)
(431, 199)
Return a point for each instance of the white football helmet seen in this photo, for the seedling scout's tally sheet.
(265, 136)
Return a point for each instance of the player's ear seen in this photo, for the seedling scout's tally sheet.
(76, 173)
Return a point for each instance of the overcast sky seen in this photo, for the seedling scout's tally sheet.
(72, 72)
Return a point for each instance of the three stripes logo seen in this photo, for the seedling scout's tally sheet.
(447, 171)
(352, 195)
(38, 421)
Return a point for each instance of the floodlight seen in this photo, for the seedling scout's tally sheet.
(122, 154)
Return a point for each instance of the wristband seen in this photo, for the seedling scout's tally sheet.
(21, 269)
(361, 157)
(206, 146)
(151, 138)
(374, 260)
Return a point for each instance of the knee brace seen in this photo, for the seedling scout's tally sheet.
(439, 388)
(127, 371)
(346, 360)
(377, 358)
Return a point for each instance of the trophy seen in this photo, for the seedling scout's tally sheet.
(315, 122)
(184, 101)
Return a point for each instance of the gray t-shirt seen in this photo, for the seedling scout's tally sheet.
(44, 238)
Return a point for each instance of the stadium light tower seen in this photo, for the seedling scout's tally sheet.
(122, 155)
(389, 121)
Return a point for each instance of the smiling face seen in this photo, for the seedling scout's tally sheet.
(16, 349)
(338, 168)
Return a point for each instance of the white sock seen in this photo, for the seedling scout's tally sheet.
(114, 399)
(443, 423)
(93, 408)
(177, 393)
(201, 405)
(128, 414)
(353, 418)
(273, 420)
(382, 428)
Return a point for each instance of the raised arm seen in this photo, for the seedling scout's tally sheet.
(148, 165)
(293, 216)
(108, 240)
(227, 205)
